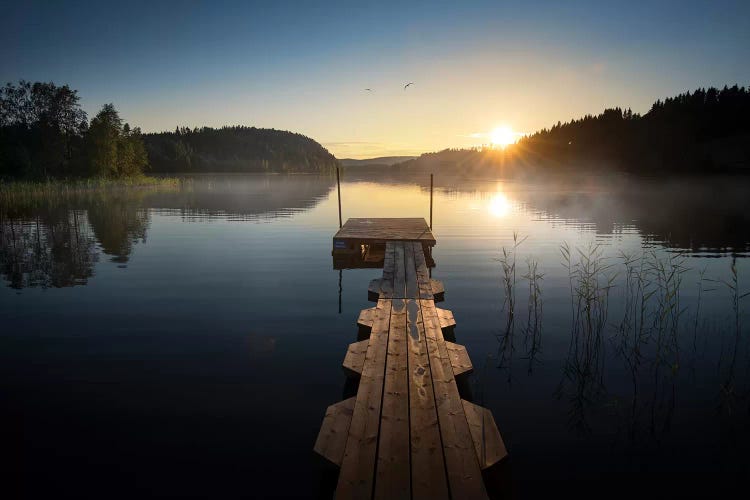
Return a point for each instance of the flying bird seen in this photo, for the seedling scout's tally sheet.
(410, 83)
(369, 90)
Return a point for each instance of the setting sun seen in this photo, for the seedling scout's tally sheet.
(502, 136)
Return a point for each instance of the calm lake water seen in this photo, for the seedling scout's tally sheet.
(188, 343)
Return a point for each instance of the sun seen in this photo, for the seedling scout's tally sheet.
(503, 136)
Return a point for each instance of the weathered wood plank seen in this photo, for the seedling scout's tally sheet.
(423, 273)
(446, 318)
(392, 475)
(386, 229)
(366, 317)
(389, 271)
(358, 465)
(464, 475)
(460, 360)
(373, 290)
(488, 442)
(355, 358)
(428, 477)
(438, 290)
(410, 270)
(399, 274)
(334, 431)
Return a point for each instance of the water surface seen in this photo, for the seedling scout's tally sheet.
(188, 343)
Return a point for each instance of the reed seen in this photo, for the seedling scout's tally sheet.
(506, 337)
(23, 193)
(533, 328)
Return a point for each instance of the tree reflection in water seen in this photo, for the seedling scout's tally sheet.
(54, 243)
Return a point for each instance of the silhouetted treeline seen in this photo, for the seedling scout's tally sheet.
(44, 133)
(236, 149)
(706, 130)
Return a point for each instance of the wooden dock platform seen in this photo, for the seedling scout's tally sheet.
(361, 242)
(408, 433)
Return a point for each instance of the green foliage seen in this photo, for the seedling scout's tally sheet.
(113, 149)
(236, 149)
(44, 134)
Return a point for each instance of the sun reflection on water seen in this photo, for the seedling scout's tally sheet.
(499, 205)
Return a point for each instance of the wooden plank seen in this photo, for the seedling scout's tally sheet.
(464, 475)
(366, 317)
(392, 476)
(446, 318)
(428, 479)
(460, 360)
(423, 273)
(334, 431)
(358, 465)
(488, 442)
(410, 270)
(438, 290)
(389, 271)
(354, 359)
(385, 229)
(373, 290)
(399, 276)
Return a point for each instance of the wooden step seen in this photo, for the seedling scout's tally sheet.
(446, 318)
(366, 317)
(334, 431)
(373, 290)
(355, 358)
(438, 290)
(488, 442)
(459, 359)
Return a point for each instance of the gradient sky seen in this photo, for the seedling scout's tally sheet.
(302, 66)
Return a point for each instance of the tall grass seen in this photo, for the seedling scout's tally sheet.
(533, 328)
(21, 193)
(506, 337)
(655, 322)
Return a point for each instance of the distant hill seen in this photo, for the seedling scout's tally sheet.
(702, 131)
(235, 149)
(381, 160)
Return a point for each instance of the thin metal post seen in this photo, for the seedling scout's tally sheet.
(341, 272)
(430, 201)
(338, 184)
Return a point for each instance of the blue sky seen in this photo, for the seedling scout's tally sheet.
(302, 66)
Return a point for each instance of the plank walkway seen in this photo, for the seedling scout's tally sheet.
(408, 433)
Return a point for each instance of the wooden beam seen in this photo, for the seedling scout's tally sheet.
(392, 476)
(464, 474)
(334, 431)
(428, 477)
(488, 442)
(355, 358)
(356, 478)
(459, 359)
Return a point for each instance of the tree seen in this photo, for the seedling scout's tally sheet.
(113, 149)
(41, 129)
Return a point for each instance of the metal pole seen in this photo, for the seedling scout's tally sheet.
(338, 184)
(430, 201)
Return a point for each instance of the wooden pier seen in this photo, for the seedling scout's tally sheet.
(361, 242)
(408, 433)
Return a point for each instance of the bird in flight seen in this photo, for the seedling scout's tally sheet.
(369, 90)
(410, 83)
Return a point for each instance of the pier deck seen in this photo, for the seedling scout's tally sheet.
(408, 433)
(361, 242)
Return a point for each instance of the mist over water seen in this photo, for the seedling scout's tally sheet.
(188, 342)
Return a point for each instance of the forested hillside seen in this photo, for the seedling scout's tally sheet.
(707, 130)
(236, 149)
